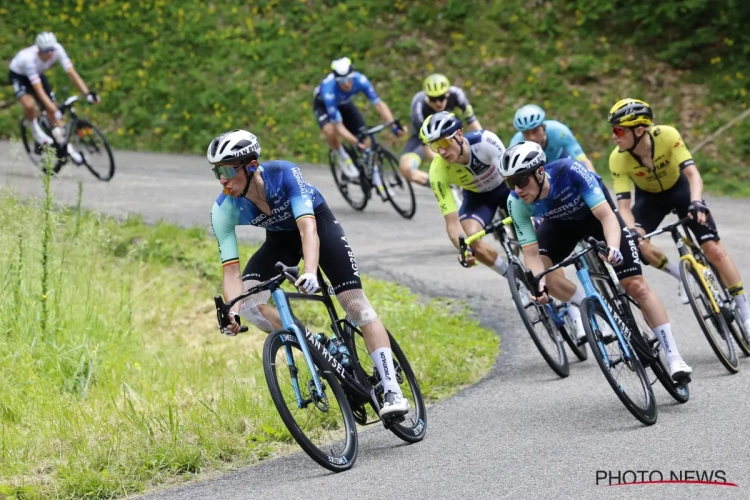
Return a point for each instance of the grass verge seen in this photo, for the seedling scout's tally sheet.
(129, 384)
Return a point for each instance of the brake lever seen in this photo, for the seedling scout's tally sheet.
(222, 315)
(534, 284)
(463, 248)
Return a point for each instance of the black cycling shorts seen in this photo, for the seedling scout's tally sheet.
(350, 115)
(336, 256)
(482, 207)
(650, 209)
(22, 85)
(557, 238)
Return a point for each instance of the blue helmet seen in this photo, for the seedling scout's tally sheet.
(528, 117)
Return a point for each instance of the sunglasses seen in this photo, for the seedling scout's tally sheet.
(443, 142)
(439, 98)
(619, 132)
(519, 181)
(228, 171)
(47, 51)
(344, 79)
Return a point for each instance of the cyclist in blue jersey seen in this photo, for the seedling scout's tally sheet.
(298, 223)
(337, 114)
(555, 138)
(574, 204)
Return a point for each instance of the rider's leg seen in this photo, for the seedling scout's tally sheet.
(411, 158)
(651, 254)
(476, 212)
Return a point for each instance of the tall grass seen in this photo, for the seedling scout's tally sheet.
(129, 383)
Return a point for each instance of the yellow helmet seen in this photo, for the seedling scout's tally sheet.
(436, 85)
(631, 113)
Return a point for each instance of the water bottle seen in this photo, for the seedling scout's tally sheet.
(338, 349)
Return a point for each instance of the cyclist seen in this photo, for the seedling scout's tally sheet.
(436, 95)
(337, 114)
(660, 165)
(26, 76)
(298, 223)
(470, 161)
(574, 204)
(555, 138)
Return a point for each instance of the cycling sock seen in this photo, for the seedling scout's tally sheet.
(664, 334)
(578, 296)
(383, 359)
(669, 267)
(738, 292)
(342, 153)
(500, 266)
(574, 312)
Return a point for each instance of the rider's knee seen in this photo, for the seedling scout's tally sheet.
(715, 252)
(329, 130)
(357, 307)
(636, 287)
(251, 307)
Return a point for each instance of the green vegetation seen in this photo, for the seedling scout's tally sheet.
(173, 74)
(116, 378)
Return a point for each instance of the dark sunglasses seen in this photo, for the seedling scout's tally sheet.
(439, 98)
(228, 171)
(619, 132)
(520, 181)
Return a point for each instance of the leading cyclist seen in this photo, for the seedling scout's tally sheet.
(298, 223)
(574, 204)
(26, 76)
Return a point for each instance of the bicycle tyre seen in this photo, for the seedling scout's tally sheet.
(741, 336)
(343, 186)
(392, 179)
(339, 463)
(729, 358)
(558, 360)
(679, 392)
(590, 308)
(82, 126)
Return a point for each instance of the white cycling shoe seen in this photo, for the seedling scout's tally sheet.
(74, 155)
(394, 405)
(681, 293)
(578, 325)
(347, 167)
(678, 369)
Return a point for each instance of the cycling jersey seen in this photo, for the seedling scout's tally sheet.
(457, 103)
(669, 157)
(479, 176)
(574, 192)
(287, 195)
(27, 63)
(561, 143)
(333, 95)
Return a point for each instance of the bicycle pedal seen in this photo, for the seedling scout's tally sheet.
(393, 420)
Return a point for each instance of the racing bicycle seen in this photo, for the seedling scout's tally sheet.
(87, 140)
(378, 171)
(320, 392)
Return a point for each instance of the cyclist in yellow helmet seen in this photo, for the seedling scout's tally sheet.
(437, 95)
(657, 161)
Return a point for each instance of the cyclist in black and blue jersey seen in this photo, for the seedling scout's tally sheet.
(574, 204)
(337, 114)
(298, 224)
(555, 138)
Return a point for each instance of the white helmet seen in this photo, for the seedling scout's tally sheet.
(522, 158)
(342, 67)
(235, 146)
(46, 40)
(437, 125)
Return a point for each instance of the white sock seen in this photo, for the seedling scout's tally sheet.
(573, 312)
(673, 270)
(664, 334)
(383, 359)
(342, 153)
(577, 297)
(500, 266)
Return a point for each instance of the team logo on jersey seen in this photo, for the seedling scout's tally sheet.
(677, 144)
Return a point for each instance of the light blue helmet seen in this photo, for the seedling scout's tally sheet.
(528, 117)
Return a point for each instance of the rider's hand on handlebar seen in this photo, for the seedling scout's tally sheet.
(542, 295)
(471, 260)
(307, 283)
(93, 98)
(400, 131)
(698, 210)
(234, 325)
(638, 237)
(615, 256)
(361, 146)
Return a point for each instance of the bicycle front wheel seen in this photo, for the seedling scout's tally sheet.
(354, 191)
(537, 321)
(711, 322)
(94, 148)
(619, 363)
(324, 426)
(400, 191)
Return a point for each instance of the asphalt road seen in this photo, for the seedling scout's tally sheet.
(519, 433)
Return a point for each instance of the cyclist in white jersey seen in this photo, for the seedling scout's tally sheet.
(26, 76)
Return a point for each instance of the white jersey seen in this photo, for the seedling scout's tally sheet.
(27, 62)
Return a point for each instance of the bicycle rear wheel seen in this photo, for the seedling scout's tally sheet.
(323, 427)
(354, 191)
(733, 316)
(712, 323)
(400, 191)
(619, 362)
(414, 426)
(538, 323)
(94, 148)
(679, 391)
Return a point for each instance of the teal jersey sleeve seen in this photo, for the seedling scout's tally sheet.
(224, 218)
(521, 213)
